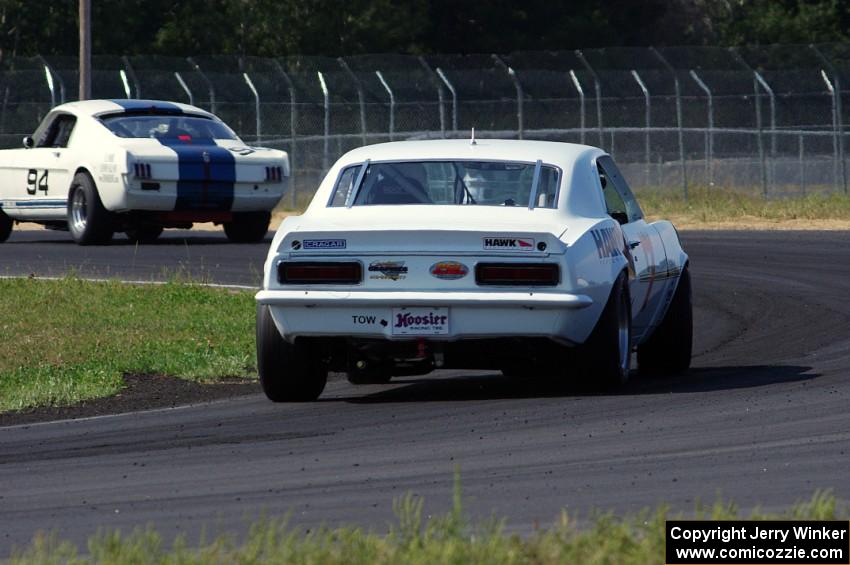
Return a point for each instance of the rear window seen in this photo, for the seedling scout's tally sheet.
(480, 183)
(166, 126)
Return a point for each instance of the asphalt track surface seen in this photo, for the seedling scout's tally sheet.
(763, 418)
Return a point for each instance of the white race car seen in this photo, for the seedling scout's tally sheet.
(524, 256)
(138, 166)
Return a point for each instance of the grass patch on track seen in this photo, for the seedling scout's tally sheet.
(64, 341)
(723, 207)
(449, 538)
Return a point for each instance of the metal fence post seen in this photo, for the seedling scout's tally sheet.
(440, 95)
(836, 142)
(580, 91)
(208, 82)
(647, 119)
(360, 98)
(392, 102)
(759, 129)
(678, 93)
(451, 88)
(760, 133)
(598, 88)
(327, 123)
(53, 77)
(519, 94)
(126, 83)
(50, 87)
(772, 99)
(802, 164)
(838, 113)
(185, 88)
(293, 117)
(256, 105)
(709, 133)
(132, 74)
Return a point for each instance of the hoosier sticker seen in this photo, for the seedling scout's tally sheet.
(508, 244)
(420, 321)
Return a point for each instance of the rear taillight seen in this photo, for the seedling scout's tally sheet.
(319, 272)
(274, 174)
(142, 170)
(517, 274)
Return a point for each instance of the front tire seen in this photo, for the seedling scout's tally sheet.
(248, 227)
(289, 372)
(668, 349)
(88, 221)
(606, 355)
(6, 224)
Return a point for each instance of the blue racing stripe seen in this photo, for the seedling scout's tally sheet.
(205, 183)
(137, 105)
(38, 203)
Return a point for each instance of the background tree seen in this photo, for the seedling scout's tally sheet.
(333, 28)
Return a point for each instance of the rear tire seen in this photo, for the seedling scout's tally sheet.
(289, 372)
(605, 357)
(248, 227)
(88, 221)
(6, 224)
(668, 349)
(143, 234)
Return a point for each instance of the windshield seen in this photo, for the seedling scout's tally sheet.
(481, 183)
(184, 128)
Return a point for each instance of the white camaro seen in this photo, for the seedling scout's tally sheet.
(138, 166)
(523, 256)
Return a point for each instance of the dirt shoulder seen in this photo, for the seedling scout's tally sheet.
(140, 392)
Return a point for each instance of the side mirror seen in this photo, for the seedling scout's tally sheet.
(29, 143)
(621, 217)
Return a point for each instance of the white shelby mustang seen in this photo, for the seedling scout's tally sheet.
(103, 166)
(527, 257)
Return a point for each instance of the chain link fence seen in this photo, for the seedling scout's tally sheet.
(769, 120)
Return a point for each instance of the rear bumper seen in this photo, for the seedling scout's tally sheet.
(471, 315)
(164, 198)
(529, 300)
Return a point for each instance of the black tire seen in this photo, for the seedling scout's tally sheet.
(143, 234)
(88, 221)
(605, 358)
(248, 227)
(289, 372)
(6, 224)
(668, 349)
(367, 376)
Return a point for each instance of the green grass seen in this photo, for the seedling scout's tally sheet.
(69, 340)
(706, 205)
(712, 205)
(449, 538)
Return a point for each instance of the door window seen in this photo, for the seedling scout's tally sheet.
(57, 133)
(619, 198)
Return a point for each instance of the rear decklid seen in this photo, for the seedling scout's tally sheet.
(421, 247)
(426, 229)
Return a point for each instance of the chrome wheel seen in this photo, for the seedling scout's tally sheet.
(78, 211)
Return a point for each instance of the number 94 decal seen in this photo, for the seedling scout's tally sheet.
(36, 182)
